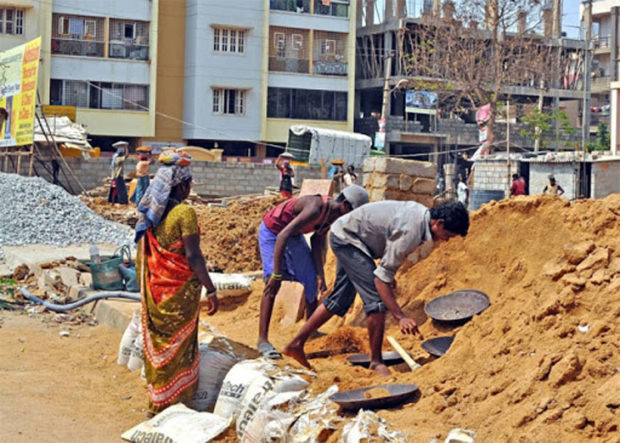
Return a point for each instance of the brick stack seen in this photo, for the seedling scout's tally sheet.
(387, 178)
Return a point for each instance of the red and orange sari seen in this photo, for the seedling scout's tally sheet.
(170, 306)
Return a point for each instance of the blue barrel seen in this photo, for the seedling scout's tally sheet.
(480, 197)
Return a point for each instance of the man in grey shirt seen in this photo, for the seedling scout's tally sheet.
(386, 230)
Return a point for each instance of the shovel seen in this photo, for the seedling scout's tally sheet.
(398, 348)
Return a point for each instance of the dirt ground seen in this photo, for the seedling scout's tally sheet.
(540, 364)
(67, 389)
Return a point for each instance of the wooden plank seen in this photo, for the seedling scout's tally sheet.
(290, 299)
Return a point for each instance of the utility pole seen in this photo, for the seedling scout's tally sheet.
(386, 97)
(585, 125)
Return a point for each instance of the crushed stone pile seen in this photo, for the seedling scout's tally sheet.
(35, 211)
(229, 236)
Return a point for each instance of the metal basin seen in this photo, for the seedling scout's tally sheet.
(458, 305)
(437, 346)
(354, 399)
(389, 358)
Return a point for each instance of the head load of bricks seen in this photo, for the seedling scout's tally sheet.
(538, 361)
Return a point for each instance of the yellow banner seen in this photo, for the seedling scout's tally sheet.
(59, 111)
(19, 72)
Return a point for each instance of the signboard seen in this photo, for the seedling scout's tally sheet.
(379, 140)
(19, 72)
(421, 102)
(59, 111)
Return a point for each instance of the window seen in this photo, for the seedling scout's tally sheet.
(279, 42)
(11, 21)
(328, 47)
(99, 95)
(229, 101)
(229, 40)
(305, 104)
(335, 8)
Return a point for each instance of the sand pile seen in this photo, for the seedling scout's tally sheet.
(229, 236)
(542, 362)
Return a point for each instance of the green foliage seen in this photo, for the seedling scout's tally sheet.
(602, 138)
(544, 122)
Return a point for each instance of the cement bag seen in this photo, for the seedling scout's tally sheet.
(229, 284)
(136, 359)
(271, 423)
(130, 334)
(368, 426)
(178, 424)
(315, 418)
(271, 381)
(213, 367)
(234, 387)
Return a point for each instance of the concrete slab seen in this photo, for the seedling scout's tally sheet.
(114, 313)
(35, 255)
(291, 299)
(314, 186)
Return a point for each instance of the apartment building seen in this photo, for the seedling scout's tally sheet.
(100, 57)
(254, 68)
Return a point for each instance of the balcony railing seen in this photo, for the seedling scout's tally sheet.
(301, 66)
(128, 50)
(599, 42)
(329, 68)
(85, 48)
(335, 8)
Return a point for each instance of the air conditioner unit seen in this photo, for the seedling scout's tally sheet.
(117, 50)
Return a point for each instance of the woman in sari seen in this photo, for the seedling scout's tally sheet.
(118, 189)
(171, 270)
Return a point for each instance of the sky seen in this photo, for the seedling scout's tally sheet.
(570, 18)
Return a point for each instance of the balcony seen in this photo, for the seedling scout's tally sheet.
(83, 48)
(335, 8)
(290, 5)
(600, 84)
(128, 50)
(601, 44)
(329, 68)
(283, 64)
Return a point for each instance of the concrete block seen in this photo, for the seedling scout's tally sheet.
(290, 298)
(409, 167)
(387, 194)
(317, 186)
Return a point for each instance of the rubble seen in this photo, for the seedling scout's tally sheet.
(35, 211)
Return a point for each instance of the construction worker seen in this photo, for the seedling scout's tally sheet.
(286, 255)
(553, 188)
(391, 231)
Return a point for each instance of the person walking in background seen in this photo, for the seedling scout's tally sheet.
(142, 173)
(518, 185)
(283, 163)
(118, 189)
(386, 230)
(336, 174)
(462, 191)
(285, 253)
(171, 271)
(350, 178)
(553, 188)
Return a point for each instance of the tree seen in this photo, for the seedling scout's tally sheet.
(538, 124)
(476, 51)
(602, 142)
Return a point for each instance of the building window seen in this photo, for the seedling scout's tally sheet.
(129, 39)
(304, 104)
(78, 35)
(229, 101)
(335, 8)
(11, 21)
(289, 50)
(99, 95)
(229, 40)
(330, 55)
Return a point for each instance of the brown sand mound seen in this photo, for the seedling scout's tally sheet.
(376, 393)
(229, 236)
(542, 362)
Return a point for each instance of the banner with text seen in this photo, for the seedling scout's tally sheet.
(19, 72)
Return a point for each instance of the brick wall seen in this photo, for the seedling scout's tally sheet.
(210, 178)
(564, 173)
(605, 178)
(492, 175)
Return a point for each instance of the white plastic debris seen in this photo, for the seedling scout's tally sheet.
(64, 333)
(460, 436)
(584, 328)
(368, 426)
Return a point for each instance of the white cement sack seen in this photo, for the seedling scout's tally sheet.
(178, 424)
(270, 382)
(213, 367)
(234, 387)
(368, 426)
(269, 422)
(130, 334)
(136, 359)
(229, 284)
(315, 418)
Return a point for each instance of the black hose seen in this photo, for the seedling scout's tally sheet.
(70, 306)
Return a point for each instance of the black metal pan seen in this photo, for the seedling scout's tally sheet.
(354, 399)
(459, 305)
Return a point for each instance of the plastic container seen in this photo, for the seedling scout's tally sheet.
(106, 275)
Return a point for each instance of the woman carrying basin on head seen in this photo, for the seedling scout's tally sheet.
(171, 271)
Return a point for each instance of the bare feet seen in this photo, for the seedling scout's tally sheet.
(296, 352)
(380, 369)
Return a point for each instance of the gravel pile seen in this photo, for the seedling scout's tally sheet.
(35, 211)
